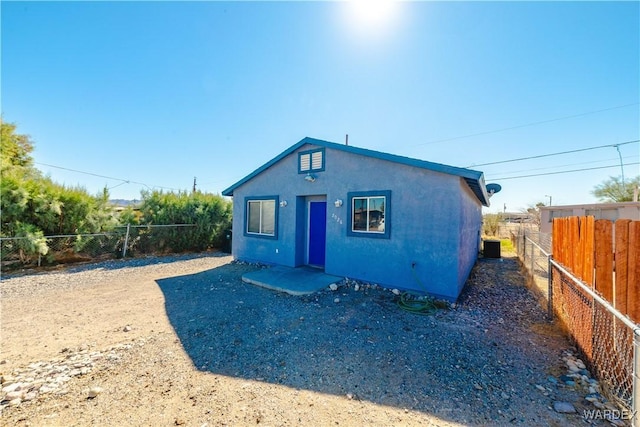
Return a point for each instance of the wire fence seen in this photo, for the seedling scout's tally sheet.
(126, 241)
(608, 340)
(534, 249)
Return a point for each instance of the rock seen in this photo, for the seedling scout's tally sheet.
(127, 328)
(395, 291)
(46, 389)
(593, 397)
(15, 402)
(541, 388)
(580, 364)
(30, 396)
(337, 300)
(94, 392)
(356, 287)
(564, 408)
(11, 387)
(13, 395)
(6, 379)
(552, 380)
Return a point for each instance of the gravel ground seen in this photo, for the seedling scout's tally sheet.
(183, 341)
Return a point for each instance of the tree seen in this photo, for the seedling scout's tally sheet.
(32, 202)
(15, 150)
(613, 190)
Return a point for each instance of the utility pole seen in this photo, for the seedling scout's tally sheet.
(621, 166)
(194, 185)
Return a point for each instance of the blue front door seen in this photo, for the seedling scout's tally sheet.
(317, 232)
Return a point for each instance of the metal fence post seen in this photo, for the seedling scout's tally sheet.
(126, 242)
(533, 259)
(549, 288)
(635, 391)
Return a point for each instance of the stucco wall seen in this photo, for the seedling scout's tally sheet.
(428, 213)
(469, 237)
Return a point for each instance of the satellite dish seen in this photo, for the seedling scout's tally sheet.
(493, 189)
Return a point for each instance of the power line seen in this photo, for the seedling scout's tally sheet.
(560, 172)
(528, 124)
(555, 154)
(569, 164)
(123, 181)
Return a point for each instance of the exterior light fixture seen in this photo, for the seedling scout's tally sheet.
(283, 204)
(310, 178)
(337, 203)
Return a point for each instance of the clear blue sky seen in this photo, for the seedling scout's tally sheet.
(161, 92)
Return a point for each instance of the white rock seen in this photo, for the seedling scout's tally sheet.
(6, 379)
(13, 395)
(15, 402)
(127, 328)
(580, 364)
(395, 291)
(356, 287)
(47, 389)
(94, 391)
(564, 407)
(30, 396)
(11, 387)
(333, 287)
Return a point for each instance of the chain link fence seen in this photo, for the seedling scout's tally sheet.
(604, 336)
(533, 249)
(126, 241)
(609, 341)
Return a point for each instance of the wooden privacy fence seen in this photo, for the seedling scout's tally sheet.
(594, 290)
(604, 255)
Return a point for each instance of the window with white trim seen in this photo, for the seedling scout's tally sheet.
(261, 216)
(369, 214)
(311, 161)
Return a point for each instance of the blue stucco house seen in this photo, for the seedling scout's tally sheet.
(386, 219)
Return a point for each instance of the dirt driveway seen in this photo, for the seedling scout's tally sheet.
(183, 341)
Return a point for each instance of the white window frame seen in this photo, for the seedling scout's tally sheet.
(260, 202)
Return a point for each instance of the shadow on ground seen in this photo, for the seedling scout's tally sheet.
(477, 364)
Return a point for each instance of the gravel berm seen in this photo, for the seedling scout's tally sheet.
(181, 340)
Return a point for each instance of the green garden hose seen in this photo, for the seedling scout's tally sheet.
(408, 302)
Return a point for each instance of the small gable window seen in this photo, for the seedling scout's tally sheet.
(311, 161)
(370, 214)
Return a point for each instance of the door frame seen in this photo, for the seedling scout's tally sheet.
(310, 200)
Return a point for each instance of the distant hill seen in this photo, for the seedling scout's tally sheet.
(124, 203)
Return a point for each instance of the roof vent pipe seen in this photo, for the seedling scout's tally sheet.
(346, 140)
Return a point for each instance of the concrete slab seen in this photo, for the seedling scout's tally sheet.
(294, 281)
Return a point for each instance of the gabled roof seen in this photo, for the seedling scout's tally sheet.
(474, 179)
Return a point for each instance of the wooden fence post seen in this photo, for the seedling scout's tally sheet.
(633, 272)
(589, 250)
(621, 258)
(603, 234)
